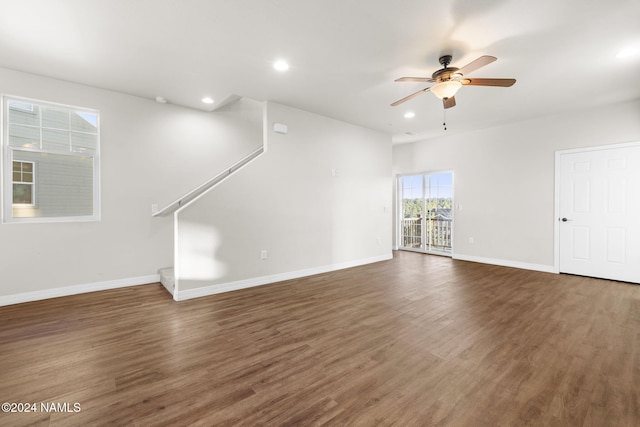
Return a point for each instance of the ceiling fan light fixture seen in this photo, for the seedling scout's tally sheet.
(446, 89)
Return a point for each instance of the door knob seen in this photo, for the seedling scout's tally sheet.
(564, 220)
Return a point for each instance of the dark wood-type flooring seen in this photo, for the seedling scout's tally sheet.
(416, 341)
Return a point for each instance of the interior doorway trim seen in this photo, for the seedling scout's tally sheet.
(556, 211)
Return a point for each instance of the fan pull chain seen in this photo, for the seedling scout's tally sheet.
(444, 121)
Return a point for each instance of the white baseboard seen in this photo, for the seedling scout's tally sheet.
(265, 280)
(506, 263)
(77, 289)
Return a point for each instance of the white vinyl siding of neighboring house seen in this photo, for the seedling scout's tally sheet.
(62, 145)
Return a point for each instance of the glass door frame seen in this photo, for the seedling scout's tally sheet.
(426, 241)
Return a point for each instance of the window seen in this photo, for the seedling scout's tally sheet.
(50, 162)
(23, 183)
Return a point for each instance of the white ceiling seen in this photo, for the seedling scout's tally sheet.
(344, 54)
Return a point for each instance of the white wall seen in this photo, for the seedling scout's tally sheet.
(289, 203)
(150, 153)
(504, 178)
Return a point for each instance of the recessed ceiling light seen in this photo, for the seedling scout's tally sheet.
(207, 100)
(281, 65)
(628, 52)
(409, 115)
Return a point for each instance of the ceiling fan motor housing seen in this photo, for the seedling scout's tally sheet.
(444, 74)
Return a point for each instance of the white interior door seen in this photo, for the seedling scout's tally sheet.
(599, 208)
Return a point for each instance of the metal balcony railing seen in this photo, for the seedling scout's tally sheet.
(436, 236)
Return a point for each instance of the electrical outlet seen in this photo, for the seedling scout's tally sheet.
(263, 254)
(472, 240)
(154, 208)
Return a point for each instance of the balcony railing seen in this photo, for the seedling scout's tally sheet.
(437, 234)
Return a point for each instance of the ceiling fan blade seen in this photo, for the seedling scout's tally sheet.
(413, 95)
(449, 102)
(415, 79)
(475, 64)
(488, 82)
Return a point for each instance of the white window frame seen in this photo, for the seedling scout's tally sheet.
(32, 183)
(6, 159)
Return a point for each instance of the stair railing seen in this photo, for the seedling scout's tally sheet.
(202, 188)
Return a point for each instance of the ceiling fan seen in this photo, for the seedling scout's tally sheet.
(449, 79)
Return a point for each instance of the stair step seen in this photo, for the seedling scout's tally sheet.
(167, 278)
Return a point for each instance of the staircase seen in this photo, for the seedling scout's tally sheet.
(167, 275)
(167, 278)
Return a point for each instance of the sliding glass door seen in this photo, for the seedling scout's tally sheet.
(426, 212)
